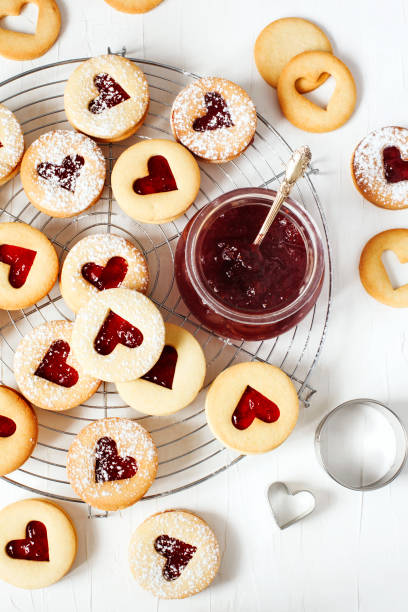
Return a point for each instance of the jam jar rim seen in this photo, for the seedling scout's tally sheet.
(301, 216)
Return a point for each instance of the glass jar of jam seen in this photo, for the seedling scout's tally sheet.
(244, 292)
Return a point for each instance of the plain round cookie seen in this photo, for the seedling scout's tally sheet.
(12, 145)
(44, 173)
(62, 543)
(152, 398)
(42, 274)
(305, 114)
(109, 124)
(15, 446)
(134, 6)
(100, 249)
(31, 352)
(123, 363)
(148, 565)
(132, 441)
(225, 393)
(132, 169)
(222, 143)
(283, 39)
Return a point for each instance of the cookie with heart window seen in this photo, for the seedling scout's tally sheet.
(252, 407)
(11, 145)
(174, 554)
(111, 463)
(18, 430)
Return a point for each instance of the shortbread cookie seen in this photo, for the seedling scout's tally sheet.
(283, 39)
(214, 118)
(47, 371)
(100, 262)
(379, 167)
(22, 46)
(305, 114)
(28, 265)
(134, 6)
(107, 97)
(112, 463)
(38, 543)
(118, 335)
(63, 173)
(155, 181)
(174, 381)
(18, 430)
(11, 144)
(174, 554)
(252, 407)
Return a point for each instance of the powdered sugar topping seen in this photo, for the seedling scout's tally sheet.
(12, 141)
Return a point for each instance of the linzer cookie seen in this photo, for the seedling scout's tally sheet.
(107, 97)
(214, 118)
(11, 145)
(112, 463)
(18, 430)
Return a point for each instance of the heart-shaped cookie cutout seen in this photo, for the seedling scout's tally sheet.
(217, 115)
(159, 180)
(34, 547)
(20, 261)
(105, 277)
(63, 175)
(7, 426)
(54, 366)
(162, 373)
(110, 94)
(253, 405)
(109, 465)
(395, 168)
(289, 508)
(178, 554)
(397, 271)
(116, 330)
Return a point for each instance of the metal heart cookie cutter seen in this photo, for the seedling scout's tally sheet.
(289, 507)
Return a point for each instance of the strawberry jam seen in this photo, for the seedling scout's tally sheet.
(54, 366)
(109, 465)
(395, 168)
(110, 94)
(217, 115)
(7, 426)
(254, 405)
(162, 373)
(159, 180)
(20, 261)
(177, 553)
(105, 277)
(34, 547)
(116, 330)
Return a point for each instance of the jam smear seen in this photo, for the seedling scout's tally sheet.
(54, 367)
(7, 426)
(254, 405)
(217, 116)
(20, 261)
(116, 330)
(110, 94)
(177, 553)
(162, 373)
(159, 179)
(395, 168)
(105, 277)
(109, 465)
(64, 175)
(34, 547)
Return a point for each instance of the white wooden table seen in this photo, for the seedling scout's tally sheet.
(351, 554)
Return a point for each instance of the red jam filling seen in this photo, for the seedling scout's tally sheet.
(105, 277)
(110, 94)
(54, 367)
(254, 405)
(159, 179)
(109, 465)
(34, 547)
(217, 116)
(116, 330)
(7, 427)
(248, 278)
(162, 373)
(395, 168)
(64, 175)
(20, 261)
(177, 553)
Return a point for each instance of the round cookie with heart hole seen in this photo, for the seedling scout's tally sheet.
(111, 463)
(134, 6)
(11, 145)
(252, 407)
(174, 554)
(18, 430)
(155, 181)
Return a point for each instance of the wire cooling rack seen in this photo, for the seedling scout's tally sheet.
(188, 453)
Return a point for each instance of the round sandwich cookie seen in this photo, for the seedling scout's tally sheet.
(252, 407)
(100, 262)
(155, 181)
(18, 430)
(38, 543)
(214, 118)
(28, 265)
(107, 97)
(111, 463)
(47, 371)
(174, 554)
(118, 335)
(134, 6)
(174, 381)
(11, 145)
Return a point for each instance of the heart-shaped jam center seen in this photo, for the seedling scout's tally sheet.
(105, 277)
(54, 367)
(7, 427)
(177, 553)
(254, 405)
(116, 330)
(34, 547)
(109, 465)
(20, 261)
(159, 179)
(110, 94)
(162, 373)
(217, 116)
(395, 168)
(64, 175)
